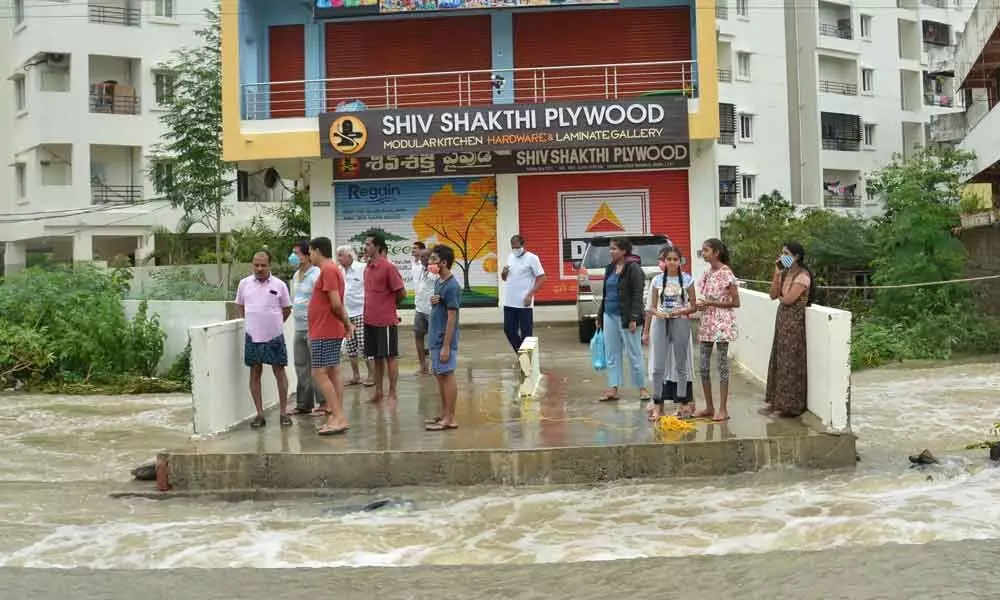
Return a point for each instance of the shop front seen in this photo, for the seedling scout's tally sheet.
(558, 173)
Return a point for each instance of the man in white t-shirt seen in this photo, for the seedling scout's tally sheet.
(524, 277)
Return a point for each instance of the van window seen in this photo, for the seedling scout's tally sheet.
(648, 250)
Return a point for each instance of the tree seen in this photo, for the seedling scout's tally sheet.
(465, 222)
(914, 240)
(199, 180)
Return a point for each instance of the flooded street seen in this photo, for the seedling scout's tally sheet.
(60, 458)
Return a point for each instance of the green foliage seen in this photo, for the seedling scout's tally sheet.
(878, 341)
(184, 283)
(836, 244)
(386, 235)
(180, 370)
(200, 179)
(914, 240)
(24, 352)
(68, 323)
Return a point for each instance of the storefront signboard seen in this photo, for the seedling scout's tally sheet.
(341, 9)
(653, 121)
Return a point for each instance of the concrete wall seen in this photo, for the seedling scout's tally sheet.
(219, 380)
(144, 278)
(176, 318)
(983, 245)
(828, 354)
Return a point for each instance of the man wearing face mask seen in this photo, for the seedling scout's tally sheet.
(524, 276)
(302, 288)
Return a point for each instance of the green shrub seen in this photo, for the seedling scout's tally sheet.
(146, 341)
(24, 353)
(180, 370)
(183, 283)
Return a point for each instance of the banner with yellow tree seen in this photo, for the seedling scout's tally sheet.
(460, 213)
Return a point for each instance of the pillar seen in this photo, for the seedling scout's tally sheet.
(83, 247)
(144, 249)
(502, 38)
(507, 225)
(15, 257)
(322, 200)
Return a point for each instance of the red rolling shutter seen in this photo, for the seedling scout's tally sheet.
(381, 48)
(601, 37)
(286, 56)
(539, 216)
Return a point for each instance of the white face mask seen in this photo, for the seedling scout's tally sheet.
(519, 252)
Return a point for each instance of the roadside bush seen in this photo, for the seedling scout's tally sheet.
(24, 353)
(71, 321)
(184, 283)
(180, 370)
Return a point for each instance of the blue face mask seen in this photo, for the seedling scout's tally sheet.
(786, 261)
(293, 259)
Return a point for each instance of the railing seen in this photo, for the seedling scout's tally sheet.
(935, 3)
(727, 138)
(837, 31)
(286, 99)
(112, 104)
(722, 11)
(727, 199)
(838, 87)
(842, 144)
(114, 15)
(115, 194)
(841, 200)
(725, 75)
(938, 100)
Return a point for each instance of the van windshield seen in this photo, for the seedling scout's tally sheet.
(647, 249)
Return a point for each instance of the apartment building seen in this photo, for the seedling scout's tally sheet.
(560, 121)
(978, 73)
(815, 95)
(80, 119)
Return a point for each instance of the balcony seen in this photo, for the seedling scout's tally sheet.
(116, 174)
(842, 200)
(841, 132)
(722, 11)
(942, 4)
(938, 100)
(108, 98)
(840, 188)
(838, 87)
(288, 99)
(727, 124)
(113, 84)
(947, 128)
(843, 31)
(112, 13)
(725, 75)
(728, 199)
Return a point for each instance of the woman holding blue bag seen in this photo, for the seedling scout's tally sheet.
(620, 318)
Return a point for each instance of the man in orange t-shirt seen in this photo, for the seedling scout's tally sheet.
(328, 326)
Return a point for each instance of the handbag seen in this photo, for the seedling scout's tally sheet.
(597, 357)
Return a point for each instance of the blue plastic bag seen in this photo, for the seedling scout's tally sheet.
(597, 357)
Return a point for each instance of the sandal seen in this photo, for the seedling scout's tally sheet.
(335, 431)
(433, 421)
(319, 411)
(258, 422)
(299, 411)
(606, 398)
(285, 421)
(353, 382)
(439, 426)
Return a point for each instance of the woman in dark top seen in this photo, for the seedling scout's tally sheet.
(621, 316)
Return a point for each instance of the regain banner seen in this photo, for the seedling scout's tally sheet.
(561, 160)
(607, 123)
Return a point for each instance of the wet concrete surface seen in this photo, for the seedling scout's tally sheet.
(492, 416)
(564, 435)
(891, 572)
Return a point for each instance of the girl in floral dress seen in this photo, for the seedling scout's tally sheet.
(718, 297)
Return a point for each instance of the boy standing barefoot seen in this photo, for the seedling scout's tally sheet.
(443, 334)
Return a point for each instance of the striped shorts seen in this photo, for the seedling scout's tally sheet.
(355, 345)
(325, 353)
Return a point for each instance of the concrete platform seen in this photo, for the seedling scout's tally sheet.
(564, 436)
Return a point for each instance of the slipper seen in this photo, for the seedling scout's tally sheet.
(439, 426)
(354, 382)
(609, 399)
(301, 411)
(433, 421)
(331, 432)
(369, 384)
(319, 412)
(720, 419)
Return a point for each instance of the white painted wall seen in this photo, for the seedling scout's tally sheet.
(220, 382)
(176, 319)
(828, 353)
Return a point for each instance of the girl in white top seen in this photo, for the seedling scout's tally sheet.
(668, 332)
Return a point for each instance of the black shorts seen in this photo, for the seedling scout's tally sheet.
(381, 342)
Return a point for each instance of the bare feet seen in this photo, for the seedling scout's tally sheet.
(375, 398)
(706, 413)
(721, 416)
(654, 412)
(643, 395)
(334, 426)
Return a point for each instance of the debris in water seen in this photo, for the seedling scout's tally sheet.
(924, 458)
(380, 504)
(995, 452)
(146, 472)
(377, 505)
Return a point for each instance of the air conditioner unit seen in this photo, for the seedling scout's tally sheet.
(57, 59)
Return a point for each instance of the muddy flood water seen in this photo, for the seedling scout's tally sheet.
(60, 457)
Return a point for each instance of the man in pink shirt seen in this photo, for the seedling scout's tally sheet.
(384, 290)
(264, 307)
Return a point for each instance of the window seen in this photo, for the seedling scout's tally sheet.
(164, 87)
(743, 8)
(743, 65)
(727, 124)
(22, 181)
(868, 80)
(163, 8)
(866, 27)
(728, 184)
(20, 94)
(869, 135)
(163, 176)
(18, 13)
(746, 128)
(747, 186)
